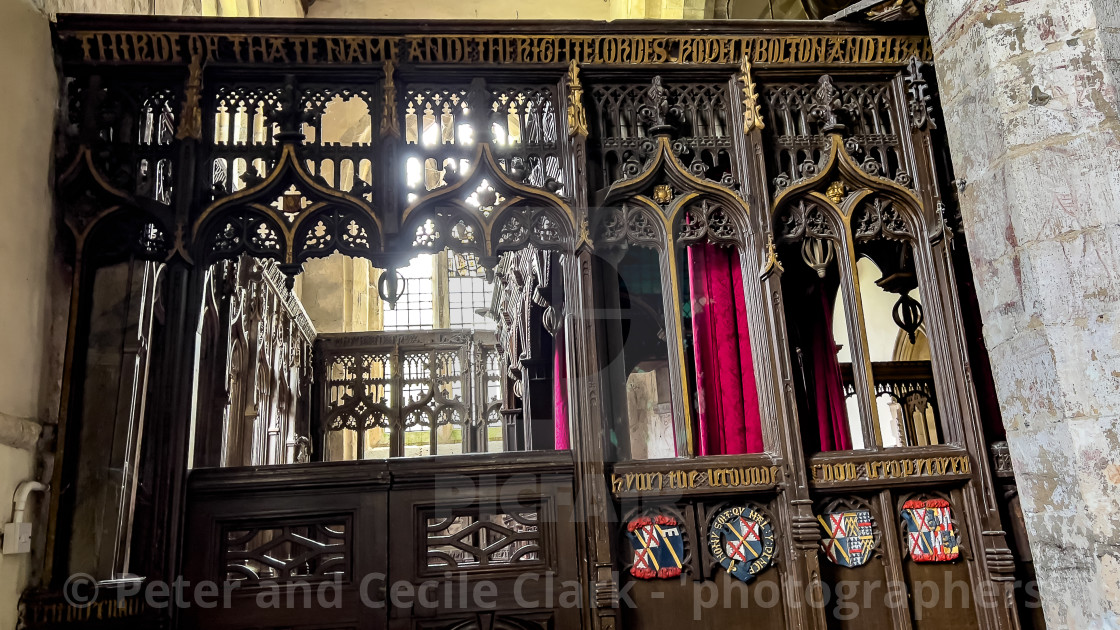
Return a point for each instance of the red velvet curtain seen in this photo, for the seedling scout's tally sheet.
(560, 392)
(730, 422)
(832, 412)
(811, 314)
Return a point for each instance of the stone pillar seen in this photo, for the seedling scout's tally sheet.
(1029, 91)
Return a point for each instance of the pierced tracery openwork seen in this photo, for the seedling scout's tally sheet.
(627, 114)
(312, 550)
(800, 117)
(587, 197)
(486, 212)
(483, 540)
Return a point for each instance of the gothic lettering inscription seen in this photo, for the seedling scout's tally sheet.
(763, 50)
(697, 479)
(891, 469)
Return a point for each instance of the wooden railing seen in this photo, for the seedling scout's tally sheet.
(909, 385)
(409, 393)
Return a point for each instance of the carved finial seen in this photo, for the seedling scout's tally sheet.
(479, 100)
(907, 313)
(584, 238)
(920, 109)
(752, 111)
(390, 126)
(818, 254)
(827, 106)
(179, 247)
(287, 113)
(772, 264)
(577, 116)
(655, 109)
(190, 118)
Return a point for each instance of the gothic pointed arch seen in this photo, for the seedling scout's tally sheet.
(96, 210)
(688, 205)
(840, 186)
(290, 216)
(486, 212)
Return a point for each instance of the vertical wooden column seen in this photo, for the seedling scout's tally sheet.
(172, 413)
(594, 507)
(763, 291)
(958, 406)
(536, 401)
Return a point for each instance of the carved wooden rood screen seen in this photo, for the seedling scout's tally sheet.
(400, 325)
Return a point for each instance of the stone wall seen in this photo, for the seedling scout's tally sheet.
(26, 262)
(1029, 90)
(224, 8)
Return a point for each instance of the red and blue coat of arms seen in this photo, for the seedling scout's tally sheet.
(929, 530)
(658, 547)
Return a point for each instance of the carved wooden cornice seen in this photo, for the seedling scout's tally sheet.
(116, 40)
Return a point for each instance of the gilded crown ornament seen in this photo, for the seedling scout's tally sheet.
(836, 192)
(663, 193)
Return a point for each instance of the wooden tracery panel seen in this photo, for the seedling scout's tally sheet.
(391, 387)
(549, 159)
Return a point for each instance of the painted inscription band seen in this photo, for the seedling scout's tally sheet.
(890, 469)
(155, 47)
(714, 478)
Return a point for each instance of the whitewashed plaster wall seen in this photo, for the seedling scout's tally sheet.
(26, 260)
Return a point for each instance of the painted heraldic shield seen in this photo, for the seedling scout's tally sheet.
(742, 541)
(848, 538)
(929, 530)
(658, 547)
